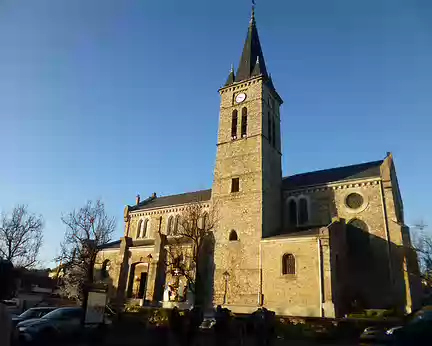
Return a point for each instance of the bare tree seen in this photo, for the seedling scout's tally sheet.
(88, 229)
(21, 237)
(422, 244)
(189, 248)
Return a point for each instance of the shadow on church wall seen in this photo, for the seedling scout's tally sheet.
(372, 281)
(366, 271)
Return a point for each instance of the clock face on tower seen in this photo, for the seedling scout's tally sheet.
(240, 98)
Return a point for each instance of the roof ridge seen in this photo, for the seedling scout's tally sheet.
(178, 199)
(339, 167)
(184, 193)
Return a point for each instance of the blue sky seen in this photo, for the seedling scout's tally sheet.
(107, 99)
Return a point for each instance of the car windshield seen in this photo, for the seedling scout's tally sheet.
(62, 313)
(30, 313)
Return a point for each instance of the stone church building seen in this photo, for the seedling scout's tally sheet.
(311, 244)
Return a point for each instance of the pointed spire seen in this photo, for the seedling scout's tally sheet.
(257, 68)
(231, 76)
(252, 53)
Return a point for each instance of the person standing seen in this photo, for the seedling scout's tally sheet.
(6, 269)
(195, 320)
(176, 325)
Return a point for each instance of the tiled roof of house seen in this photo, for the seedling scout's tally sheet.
(184, 198)
(359, 171)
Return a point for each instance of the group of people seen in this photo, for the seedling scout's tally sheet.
(185, 328)
(264, 326)
(259, 325)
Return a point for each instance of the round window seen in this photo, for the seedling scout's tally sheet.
(354, 200)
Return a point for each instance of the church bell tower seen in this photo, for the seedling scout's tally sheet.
(247, 177)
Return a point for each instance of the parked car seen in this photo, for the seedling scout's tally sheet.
(32, 313)
(12, 306)
(60, 323)
(376, 334)
(416, 329)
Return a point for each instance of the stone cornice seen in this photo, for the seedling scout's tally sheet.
(333, 186)
(166, 210)
(239, 85)
(290, 239)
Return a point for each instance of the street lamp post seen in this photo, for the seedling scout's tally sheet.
(226, 276)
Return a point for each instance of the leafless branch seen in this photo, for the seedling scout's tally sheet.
(187, 243)
(21, 237)
(87, 229)
(422, 245)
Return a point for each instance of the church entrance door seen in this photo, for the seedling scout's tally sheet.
(142, 286)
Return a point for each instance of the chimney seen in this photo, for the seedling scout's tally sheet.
(154, 195)
(137, 199)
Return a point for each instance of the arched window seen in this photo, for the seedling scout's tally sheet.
(105, 268)
(244, 122)
(303, 216)
(288, 264)
(234, 124)
(292, 210)
(138, 230)
(233, 236)
(169, 225)
(144, 228)
(357, 238)
(176, 225)
(269, 125)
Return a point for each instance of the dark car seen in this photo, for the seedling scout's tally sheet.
(60, 323)
(31, 314)
(416, 329)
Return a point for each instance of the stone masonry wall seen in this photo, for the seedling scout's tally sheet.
(299, 294)
(240, 211)
(374, 282)
(271, 167)
(113, 272)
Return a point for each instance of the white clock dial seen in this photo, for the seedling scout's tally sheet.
(240, 98)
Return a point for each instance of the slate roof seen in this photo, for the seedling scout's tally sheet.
(231, 77)
(252, 63)
(298, 233)
(111, 245)
(252, 55)
(184, 198)
(353, 172)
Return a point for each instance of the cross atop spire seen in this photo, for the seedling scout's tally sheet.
(253, 12)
